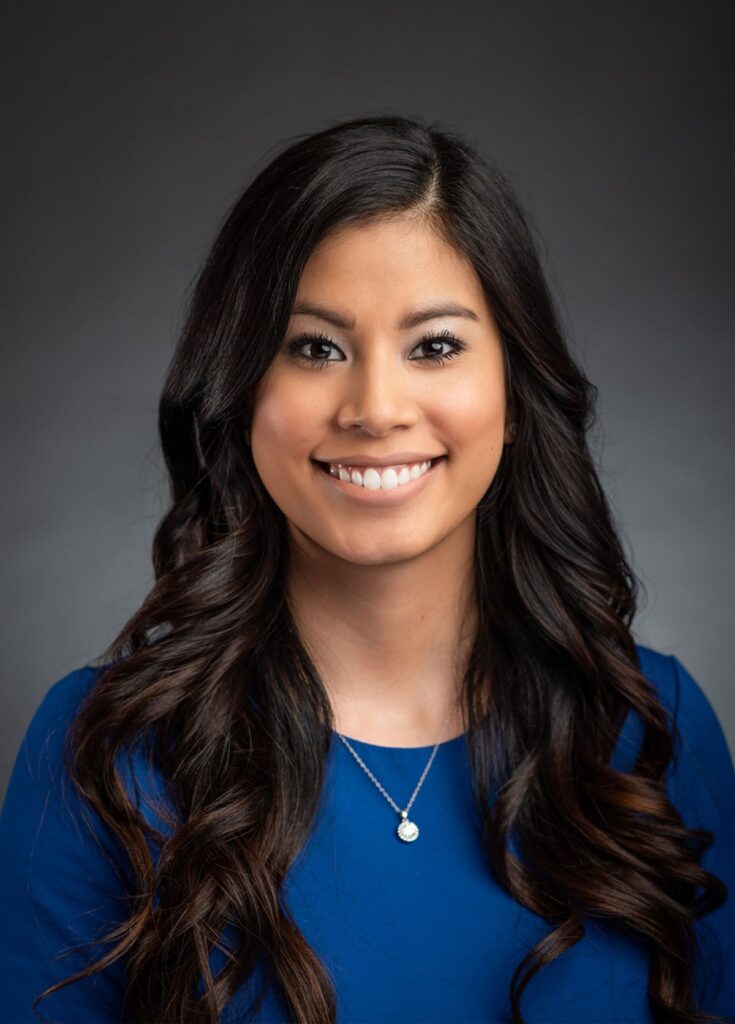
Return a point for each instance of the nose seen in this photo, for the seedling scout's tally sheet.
(377, 395)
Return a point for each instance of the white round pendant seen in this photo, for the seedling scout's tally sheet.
(408, 831)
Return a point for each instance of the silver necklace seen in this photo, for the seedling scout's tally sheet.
(408, 830)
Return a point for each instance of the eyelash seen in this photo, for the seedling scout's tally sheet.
(306, 336)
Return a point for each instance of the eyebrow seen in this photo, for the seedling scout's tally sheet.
(418, 316)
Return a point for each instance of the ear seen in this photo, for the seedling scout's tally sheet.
(510, 432)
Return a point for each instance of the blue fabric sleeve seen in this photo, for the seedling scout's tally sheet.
(702, 785)
(59, 882)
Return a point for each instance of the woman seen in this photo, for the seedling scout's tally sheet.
(379, 745)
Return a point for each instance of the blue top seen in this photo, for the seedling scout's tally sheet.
(410, 932)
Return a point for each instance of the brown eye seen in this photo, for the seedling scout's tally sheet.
(319, 341)
(437, 341)
(314, 339)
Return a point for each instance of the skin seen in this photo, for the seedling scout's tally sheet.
(383, 597)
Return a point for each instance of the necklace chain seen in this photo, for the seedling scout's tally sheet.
(412, 832)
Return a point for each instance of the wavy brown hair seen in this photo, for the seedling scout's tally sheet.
(211, 677)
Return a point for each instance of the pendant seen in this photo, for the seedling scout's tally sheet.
(407, 830)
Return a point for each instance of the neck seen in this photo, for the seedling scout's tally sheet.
(389, 641)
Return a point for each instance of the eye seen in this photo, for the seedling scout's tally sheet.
(319, 338)
(442, 338)
(310, 338)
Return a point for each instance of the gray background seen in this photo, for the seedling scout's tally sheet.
(131, 129)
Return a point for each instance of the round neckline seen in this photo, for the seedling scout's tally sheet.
(382, 746)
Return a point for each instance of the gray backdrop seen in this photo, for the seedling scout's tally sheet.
(131, 128)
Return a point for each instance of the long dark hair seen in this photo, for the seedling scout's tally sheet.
(210, 674)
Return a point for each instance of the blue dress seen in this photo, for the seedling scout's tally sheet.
(409, 932)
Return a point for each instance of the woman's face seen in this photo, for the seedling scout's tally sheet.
(372, 369)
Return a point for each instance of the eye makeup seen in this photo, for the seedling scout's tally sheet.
(444, 336)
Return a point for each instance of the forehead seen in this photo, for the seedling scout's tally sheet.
(390, 262)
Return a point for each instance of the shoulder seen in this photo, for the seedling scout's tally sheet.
(682, 695)
(664, 671)
(64, 876)
(39, 787)
(700, 782)
(40, 777)
(44, 736)
(701, 774)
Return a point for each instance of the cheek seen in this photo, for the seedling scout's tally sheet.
(283, 420)
(283, 434)
(474, 428)
(473, 414)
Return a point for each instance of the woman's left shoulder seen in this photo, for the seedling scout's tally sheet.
(700, 782)
(702, 767)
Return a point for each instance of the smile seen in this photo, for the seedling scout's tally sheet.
(384, 485)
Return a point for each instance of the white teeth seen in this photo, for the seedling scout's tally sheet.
(386, 479)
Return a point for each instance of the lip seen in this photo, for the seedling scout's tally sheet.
(394, 459)
(379, 498)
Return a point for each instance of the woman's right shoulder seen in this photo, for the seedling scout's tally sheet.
(40, 766)
(64, 696)
(43, 740)
(64, 876)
